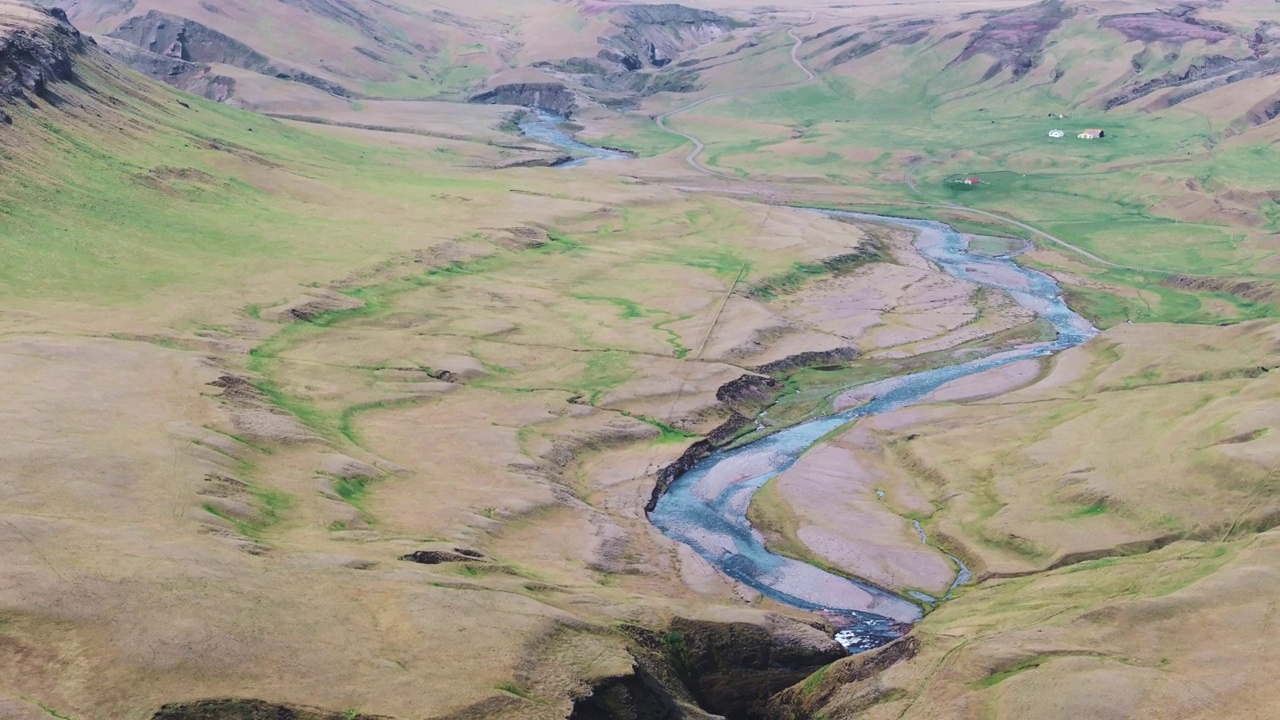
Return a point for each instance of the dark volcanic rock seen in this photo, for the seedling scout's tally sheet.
(863, 42)
(1207, 73)
(838, 356)
(178, 37)
(437, 557)
(653, 35)
(576, 66)
(1014, 39)
(553, 161)
(1177, 26)
(637, 59)
(189, 41)
(637, 696)
(807, 700)
(1160, 27)
(757, 391)
(732, 669)
(692, 455)
(32, 58)
(248, 709)
(743, 397)
(195, 78)
(1264, 111)
(551, 97)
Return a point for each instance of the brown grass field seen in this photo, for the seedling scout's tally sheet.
(256, 361)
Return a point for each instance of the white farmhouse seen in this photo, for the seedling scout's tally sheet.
(1056, 133)
(1092, 134)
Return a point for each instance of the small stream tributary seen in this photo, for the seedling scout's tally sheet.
(705, 508)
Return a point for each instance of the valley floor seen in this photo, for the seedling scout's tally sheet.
(357, 413)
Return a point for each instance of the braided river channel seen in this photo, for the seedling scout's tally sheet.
(705, 508)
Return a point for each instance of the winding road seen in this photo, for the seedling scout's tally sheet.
(698, 145)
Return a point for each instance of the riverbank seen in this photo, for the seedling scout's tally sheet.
(706, 507)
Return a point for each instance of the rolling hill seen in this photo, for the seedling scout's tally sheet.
(328, 399)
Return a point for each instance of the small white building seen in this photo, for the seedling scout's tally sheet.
(1092, 134)
(1056, 134)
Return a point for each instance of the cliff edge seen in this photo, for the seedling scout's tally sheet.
(37, 48)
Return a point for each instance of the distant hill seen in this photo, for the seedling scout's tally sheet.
(1063, 56)
(359, 49)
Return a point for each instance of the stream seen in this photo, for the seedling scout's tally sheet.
(705, 508)
(547, 127)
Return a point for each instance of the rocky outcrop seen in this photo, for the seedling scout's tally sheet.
(635, 696)
(817, 358)
(1238, 56)
(438, 557)
(1014, 39)
(808, 699)
(195, 78)
(311, 306)
(637, 58)
(865, 41)
(694, 453)
(35, 54)
(551, 97)
(749, 393)
(705, 669)
(733, 668)
(179, 38)
(1206, 73)
(1165, 27)
(248, 709)
(553, 161)
(1255, 291)
(653, 35)
(1264, 111)
(743, 399)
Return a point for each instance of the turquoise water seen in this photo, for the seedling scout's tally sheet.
(545, 126)
(706, 507)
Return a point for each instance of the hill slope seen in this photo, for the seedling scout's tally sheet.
(358, 416)
(299, 414)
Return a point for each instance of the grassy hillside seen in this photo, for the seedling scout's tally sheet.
(127, 192)
(1167, 192)
(355, 397)
(1118, 513)
(356, 414)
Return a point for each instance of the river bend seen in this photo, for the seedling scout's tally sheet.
(705, 508)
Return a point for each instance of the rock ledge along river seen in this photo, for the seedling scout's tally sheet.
(706, 507)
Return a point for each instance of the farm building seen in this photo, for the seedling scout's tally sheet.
(1092, 134)
(972, 181)
(1056, 133)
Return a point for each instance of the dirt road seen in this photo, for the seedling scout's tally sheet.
(698, 146)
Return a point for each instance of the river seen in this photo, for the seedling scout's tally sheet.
(705, 508)
(547, 127)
